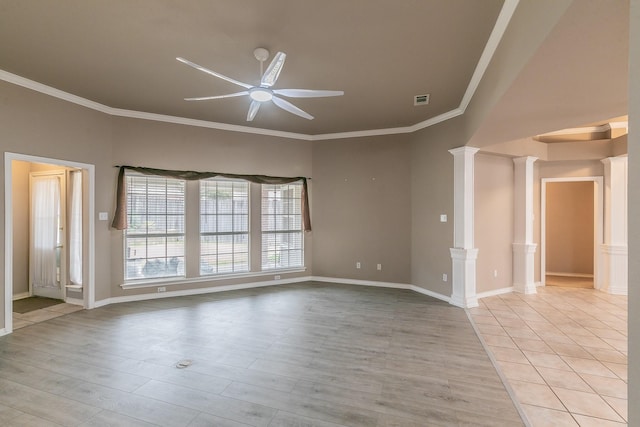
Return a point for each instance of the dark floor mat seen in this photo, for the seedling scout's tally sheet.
(26, 305)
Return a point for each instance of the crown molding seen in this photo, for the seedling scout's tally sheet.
(508, 8)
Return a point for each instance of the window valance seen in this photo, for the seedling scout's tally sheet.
(120, 217)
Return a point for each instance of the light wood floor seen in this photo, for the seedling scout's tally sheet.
(296, 355)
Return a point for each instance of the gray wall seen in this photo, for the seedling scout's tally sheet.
(432, 196)
(362, 208)
(35, 124)
(494, 188)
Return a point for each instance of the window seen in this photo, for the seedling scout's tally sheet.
(282, 240)
(224, 226)
(154, 239)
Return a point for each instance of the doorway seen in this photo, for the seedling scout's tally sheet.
(71, 272)
(571, 232)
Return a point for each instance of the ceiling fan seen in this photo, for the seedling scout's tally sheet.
(263, 92)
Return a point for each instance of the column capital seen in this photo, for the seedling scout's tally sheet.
(524, 248)
(464, 254)
(464, 150)
(617, 159)
(525, 159)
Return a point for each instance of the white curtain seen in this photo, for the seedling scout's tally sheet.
(45, 214)
(75, 229)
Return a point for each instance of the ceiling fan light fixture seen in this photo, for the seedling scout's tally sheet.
(261, 94)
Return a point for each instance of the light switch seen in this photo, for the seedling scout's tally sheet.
(103, 216)
(443, 218)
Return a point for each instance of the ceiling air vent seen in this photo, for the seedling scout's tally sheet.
(421, 99)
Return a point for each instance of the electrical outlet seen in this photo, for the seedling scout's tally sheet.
(495, 273)
(358, 265)
(379, 267)
(276, 277)
(162, 289)
(444, 277)
(443, 218)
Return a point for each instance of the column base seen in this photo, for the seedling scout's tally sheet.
(523, 268)
(615, 274)
(464, 277)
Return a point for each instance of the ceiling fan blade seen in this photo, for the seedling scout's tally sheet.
(213, 73)
(253, 109)
(205, 98)
(287, 106)
(307, 93)
(273, 71)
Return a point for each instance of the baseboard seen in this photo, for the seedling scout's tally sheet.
(538, 284)
(495, 292)
(581, 275)
(614, 290)
(22, 295)
(3, 332)
(429, 293)
(361, 282)
(391, 285)
(214, 289)
(198, 291)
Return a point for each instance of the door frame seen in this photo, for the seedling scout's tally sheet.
(89, 290)
(598, 225)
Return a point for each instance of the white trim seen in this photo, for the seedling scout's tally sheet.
(391, 285)
(8, 227)
(172, 281)
(492, 44)
(598, 219)
(22, 295)
(508, 8)
(360, 282)
(251, 285)
(390, 131)
(3, 332)
(495, 292)
(429, 293)
(503, 377)
(199, 291)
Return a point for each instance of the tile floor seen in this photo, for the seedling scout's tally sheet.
(37, 316)
(563, 352)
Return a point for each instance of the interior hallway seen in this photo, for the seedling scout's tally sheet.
(563, 352)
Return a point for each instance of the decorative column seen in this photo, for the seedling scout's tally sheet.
(523, 247)
(614, 251)
(463, 254)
